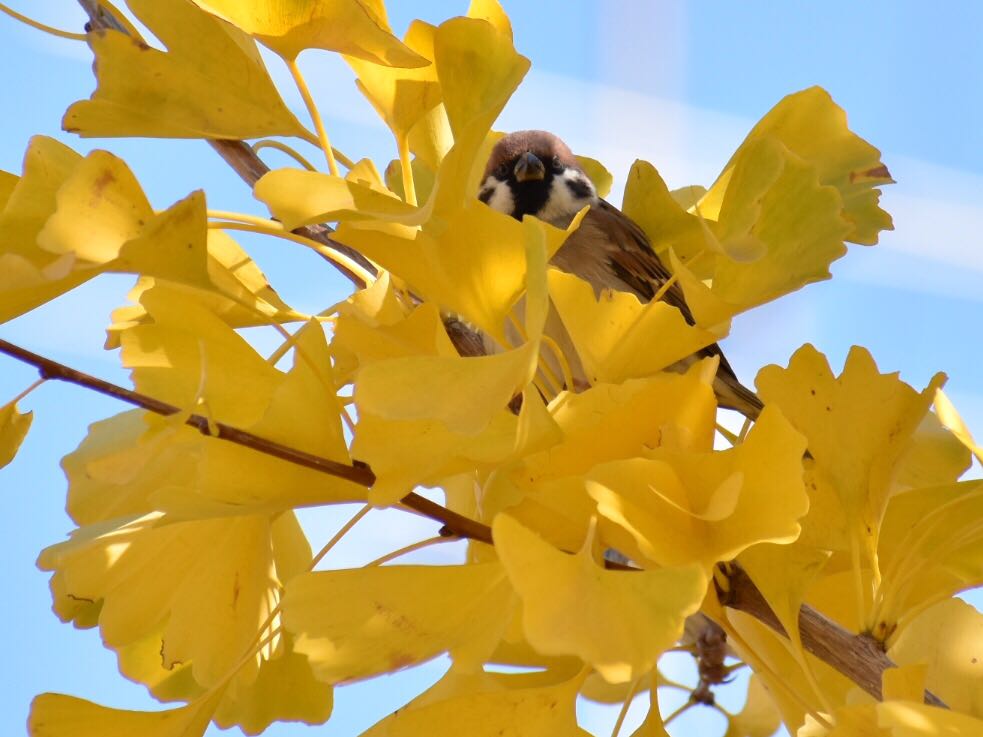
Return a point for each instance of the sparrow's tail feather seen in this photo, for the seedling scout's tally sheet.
(732, 394)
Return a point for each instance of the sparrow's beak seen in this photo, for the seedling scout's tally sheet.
(529, 168)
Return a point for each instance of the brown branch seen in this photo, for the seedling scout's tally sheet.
(358, 473)
(858, 657)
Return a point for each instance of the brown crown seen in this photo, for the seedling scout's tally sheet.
(541, 143)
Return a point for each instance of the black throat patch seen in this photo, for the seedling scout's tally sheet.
(530, 197)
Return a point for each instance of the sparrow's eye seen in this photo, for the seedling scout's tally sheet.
(556, 164)
(502, 172)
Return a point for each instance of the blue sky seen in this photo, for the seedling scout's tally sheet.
(677, 84)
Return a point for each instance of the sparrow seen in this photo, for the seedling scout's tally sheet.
(535, 173)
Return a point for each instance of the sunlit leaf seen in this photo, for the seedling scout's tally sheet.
(210, 83)
(13, 429)
(683, 508)
(57, 715)
(356, 623)
(355, 27)
(620, 622)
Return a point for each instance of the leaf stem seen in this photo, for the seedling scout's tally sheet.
(288, 150)
(405, 165)
(41, 26)
(345, 528)
(350, 266)
(632, 690)
(315, 114)
(27, 391)
(410, 548)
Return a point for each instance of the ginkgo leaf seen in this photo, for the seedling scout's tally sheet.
(616, 336)
(931, 548)
(949, 416)
(759, 717)
(649, 203)
(775, 205)
(57, 715)
(615, 421)
(620, 622)
(8, 182)
(653, 725)
(356, 623)
(238, 291)
(904, 683)
(948, 639)
(481, 706)
(913, 719)
(355, 27)
(300, 197)
(210, 83)
(683, 508)
(857, 426)
(13, 429)
(402, 96)
(285, 690)
(99, 208)
(935, 454)
(210, 582)
(814, 128)
(187, 354)
(481, 282)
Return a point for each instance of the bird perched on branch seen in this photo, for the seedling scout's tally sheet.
(535, 173)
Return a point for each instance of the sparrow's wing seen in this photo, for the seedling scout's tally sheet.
(609, 250)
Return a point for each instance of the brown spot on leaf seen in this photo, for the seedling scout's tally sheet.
(235, 590)
(875, 172)
(104, 180)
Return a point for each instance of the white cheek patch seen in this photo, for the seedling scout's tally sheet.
(500, 197)
(565, 200)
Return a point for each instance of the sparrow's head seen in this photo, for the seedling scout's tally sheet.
(535, 173)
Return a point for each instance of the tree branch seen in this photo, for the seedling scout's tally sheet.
(858, 657)
(456, 524)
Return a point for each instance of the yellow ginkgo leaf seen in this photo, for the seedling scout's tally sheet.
(618, 621)
(783, 574)
(493, 12)
(402, 96)
(649, 203)
(285, 690)
(935, 455)
(857, 426)
(904, 683)
(949, 416)
(99, 208)
(30, 276)
(210, 83)
(13, 429)
(601, 178)
(238, 293)
(931, 549)
(187, 354)
(57, 715)
(614, 421)
(480, 281)
(213, 582)
(486, 705)
(913, 719)
(355, 27)
(7, 183)
(356, 623)
(814, 128)
(683, 508)
(478, 68)
(759, 717)
(300, 197)
(779, 226)
(653, 726)
(948, 639)
(616, 336)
